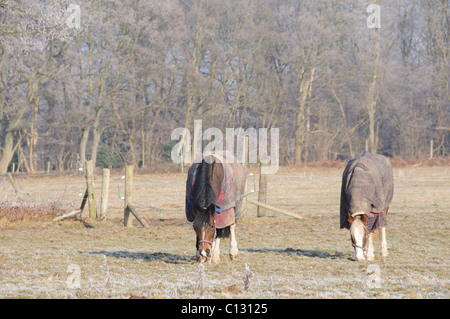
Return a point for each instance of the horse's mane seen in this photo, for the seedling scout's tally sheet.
(204, 196)
(203, 192)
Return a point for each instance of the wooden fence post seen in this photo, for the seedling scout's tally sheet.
(83, 202)
(262, 193)
(90, 189)
(105, 193)
(127, 220)
(131, 209)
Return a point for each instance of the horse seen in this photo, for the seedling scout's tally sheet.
(366, 192)
(214, 191)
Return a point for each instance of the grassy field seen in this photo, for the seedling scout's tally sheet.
(285, 257)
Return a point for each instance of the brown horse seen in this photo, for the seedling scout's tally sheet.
(208, 184)
(362, 240)
(366, 193)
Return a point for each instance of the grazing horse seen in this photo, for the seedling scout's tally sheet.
(366, 193)
(214, 192)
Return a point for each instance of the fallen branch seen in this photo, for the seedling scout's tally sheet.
(67, 215)
(278, 210)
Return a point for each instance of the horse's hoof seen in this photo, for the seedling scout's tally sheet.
(216, 260)
(370, 258)
(384, 254)
(234, 257)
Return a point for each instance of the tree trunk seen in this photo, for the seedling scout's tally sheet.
(96, 134)
(34, 165)
(83, 144)
(33, 100)
(6, 152)
(305, 87)
(192, 93)
(372, 97)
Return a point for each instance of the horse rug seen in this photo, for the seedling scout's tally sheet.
(367, 186)
(229, 201)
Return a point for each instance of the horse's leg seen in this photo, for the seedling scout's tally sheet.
(234, 252)
(370, 254)
(384, 250)
(216, 251)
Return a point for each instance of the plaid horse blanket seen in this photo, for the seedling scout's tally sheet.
(229, 200)
(368, 187)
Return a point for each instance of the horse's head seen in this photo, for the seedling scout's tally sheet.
(205, 229)
(358, 234)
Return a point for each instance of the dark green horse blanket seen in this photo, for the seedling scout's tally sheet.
(367, 187)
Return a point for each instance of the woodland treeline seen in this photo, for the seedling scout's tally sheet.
(115, 88)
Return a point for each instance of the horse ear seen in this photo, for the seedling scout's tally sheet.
(350, 218)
